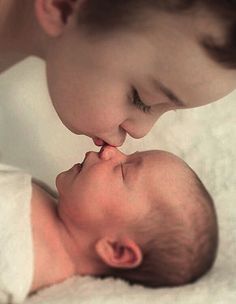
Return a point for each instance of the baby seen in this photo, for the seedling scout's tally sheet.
(144, 217)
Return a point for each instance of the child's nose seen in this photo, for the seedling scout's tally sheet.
(110, 152)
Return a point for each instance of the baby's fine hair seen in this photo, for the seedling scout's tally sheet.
(181, 243)
(104, 16)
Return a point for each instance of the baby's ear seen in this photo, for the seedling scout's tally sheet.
(122, 253)
(53, 15)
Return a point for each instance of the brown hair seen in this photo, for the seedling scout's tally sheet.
(104, 16)
(181, 245)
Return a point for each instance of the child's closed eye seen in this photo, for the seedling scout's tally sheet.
(139, 103)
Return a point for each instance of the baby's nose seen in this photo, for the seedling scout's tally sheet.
(109, 152)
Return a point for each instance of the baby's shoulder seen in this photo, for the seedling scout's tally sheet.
(41, 188)
(15, 188)
(41, 201)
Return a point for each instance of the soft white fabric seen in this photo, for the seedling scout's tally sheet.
(32, 137)
(16, 252)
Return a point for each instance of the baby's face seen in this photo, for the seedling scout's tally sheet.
(111, 190)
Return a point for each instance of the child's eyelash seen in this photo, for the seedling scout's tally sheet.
(138, 102)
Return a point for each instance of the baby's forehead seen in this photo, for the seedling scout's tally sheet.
(160, 158)
(161, 170)
(167, 174)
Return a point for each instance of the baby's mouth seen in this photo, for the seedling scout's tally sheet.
(80, 166)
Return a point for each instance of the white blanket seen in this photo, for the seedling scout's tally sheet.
(16, 251)
(32, 137)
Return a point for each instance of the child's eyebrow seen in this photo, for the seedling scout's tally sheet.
(177, 101)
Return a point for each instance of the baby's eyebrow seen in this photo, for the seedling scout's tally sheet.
(136, 169)
(176, 100)
(134, 157)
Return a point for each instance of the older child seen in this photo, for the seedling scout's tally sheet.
(114, 67)
(144, 217)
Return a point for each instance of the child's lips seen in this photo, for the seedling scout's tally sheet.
(98, 141)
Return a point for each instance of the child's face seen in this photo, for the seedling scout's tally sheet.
(91, 82)
(112, 191)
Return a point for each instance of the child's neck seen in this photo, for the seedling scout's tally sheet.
(10, 35)
(19, 32)
(52, 262)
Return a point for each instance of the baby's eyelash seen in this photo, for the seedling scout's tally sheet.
(138, 102)
(122, 170)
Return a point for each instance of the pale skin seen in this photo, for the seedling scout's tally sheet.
(94, 83)
(93, 223)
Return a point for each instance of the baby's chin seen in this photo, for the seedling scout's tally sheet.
(57, 180)
(65, 178)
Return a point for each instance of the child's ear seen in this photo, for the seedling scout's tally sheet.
(123, 253)
(53, 15)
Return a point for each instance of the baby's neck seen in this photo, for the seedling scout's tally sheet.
(52, 262)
